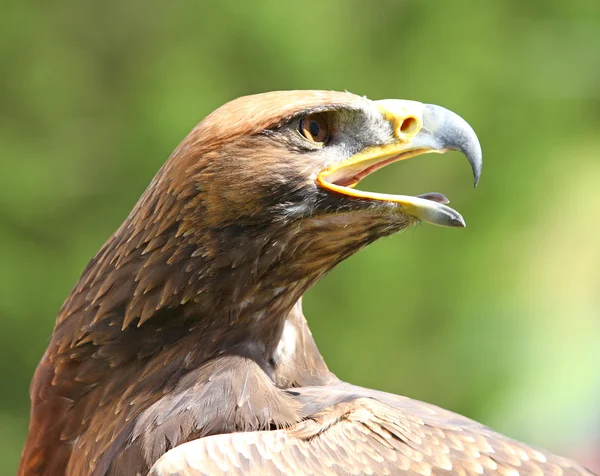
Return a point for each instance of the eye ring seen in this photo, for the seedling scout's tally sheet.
(315, 128)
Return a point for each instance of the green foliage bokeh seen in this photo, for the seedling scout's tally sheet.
(499, 321)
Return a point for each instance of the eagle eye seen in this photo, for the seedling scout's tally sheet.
(315, 128)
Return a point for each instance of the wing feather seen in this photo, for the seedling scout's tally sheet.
(364, 435)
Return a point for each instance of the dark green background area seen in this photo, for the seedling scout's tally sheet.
(499, 321)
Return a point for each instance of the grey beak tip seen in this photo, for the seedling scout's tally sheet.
(474, 155)
(452, 132)
(466, 141)
(476, 164)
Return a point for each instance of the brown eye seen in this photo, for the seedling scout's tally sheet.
(315, 128)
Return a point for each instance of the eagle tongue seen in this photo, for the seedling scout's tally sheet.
(435, 197)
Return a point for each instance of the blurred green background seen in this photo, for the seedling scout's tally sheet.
(499, 321)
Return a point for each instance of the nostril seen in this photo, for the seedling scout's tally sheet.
(408, 125)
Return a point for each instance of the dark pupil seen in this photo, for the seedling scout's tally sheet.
(314, 128)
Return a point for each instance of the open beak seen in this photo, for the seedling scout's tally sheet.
(417, 129)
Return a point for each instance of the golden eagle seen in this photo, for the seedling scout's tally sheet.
(183, 348)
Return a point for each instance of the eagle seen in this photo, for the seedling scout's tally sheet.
(183, 348)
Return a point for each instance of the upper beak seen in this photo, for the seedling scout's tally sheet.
(417, 129)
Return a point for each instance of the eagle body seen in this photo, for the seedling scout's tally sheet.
(183, 348)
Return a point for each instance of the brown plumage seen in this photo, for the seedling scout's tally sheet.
(186, 331)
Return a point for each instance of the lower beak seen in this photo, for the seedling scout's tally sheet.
(417, 129)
